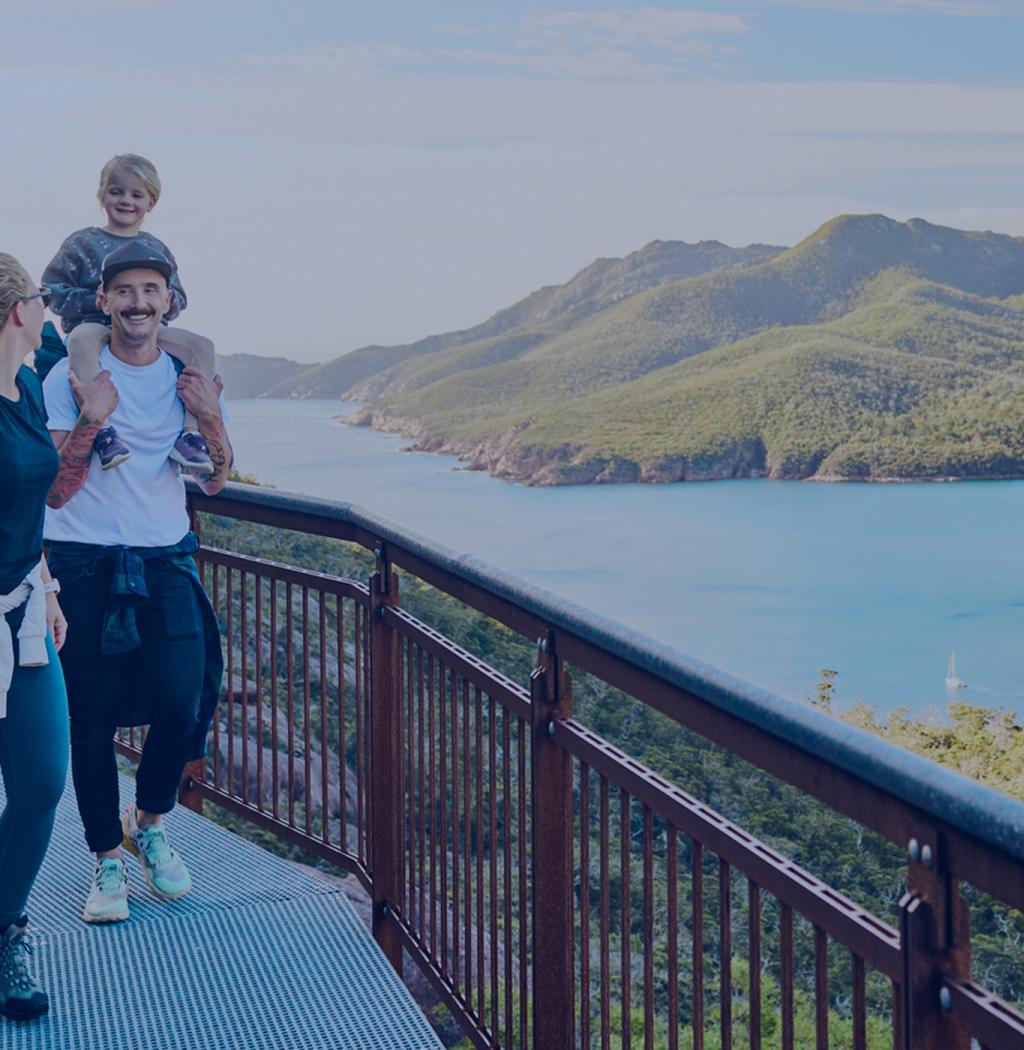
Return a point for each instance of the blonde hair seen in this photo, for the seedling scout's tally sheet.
(14, 285)
(135, 165)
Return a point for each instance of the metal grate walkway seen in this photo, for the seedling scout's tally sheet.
(262, 955)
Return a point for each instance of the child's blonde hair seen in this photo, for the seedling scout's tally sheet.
(14, 285)
(135, 165)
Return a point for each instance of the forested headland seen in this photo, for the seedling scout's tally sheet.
(874, 350)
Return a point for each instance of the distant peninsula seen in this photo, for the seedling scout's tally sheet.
(874, 350)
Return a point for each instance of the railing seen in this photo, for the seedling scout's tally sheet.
(555, 891)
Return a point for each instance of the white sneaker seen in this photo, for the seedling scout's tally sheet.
(108, 898)
(162, 865)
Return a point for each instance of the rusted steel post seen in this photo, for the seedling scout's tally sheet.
(191, 775)
(551, 799)
(385, 801)
(935, 942)
(193, 516)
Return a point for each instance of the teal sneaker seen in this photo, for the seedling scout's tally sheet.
(21, 999)
(164, 869)
(108, 896)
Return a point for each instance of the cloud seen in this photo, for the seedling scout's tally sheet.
(644, 43)
(955, 8)
(324, 60)
(654, 26)
(594, 64)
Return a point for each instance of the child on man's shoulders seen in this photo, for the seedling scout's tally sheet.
(129, 190)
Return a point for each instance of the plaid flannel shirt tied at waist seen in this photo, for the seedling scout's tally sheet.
(128, 588)
(120, 633)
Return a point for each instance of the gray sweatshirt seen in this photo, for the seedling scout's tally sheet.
(74, 275)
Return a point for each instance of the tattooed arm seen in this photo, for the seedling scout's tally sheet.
(75, 448)
(97, 399)
(221, 455)
(201, 396)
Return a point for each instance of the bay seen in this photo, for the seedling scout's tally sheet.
(771, 580)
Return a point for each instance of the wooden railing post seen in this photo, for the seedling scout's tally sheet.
(935, 942)
(385, 798)
(551, 799)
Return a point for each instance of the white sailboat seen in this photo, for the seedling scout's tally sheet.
(952, 681)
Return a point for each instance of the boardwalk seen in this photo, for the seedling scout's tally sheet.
(262, 954)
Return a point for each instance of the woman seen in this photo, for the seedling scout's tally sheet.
(33, 704)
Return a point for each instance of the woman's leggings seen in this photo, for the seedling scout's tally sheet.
(33, 760)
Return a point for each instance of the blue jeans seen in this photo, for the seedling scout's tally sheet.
(34, 761)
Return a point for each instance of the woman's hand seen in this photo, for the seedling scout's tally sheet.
(55, 621)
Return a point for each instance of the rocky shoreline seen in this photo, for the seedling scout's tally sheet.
(568, 465)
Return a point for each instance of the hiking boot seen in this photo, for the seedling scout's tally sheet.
(108, 896)
(21, 999)
(163, 868)
(192, 452)
(110, 448)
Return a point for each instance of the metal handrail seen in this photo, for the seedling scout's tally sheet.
(985, 815)
(420, 845)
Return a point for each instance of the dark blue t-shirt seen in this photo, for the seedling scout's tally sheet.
(28, 466)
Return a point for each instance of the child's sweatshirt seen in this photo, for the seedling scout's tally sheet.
(75, 272)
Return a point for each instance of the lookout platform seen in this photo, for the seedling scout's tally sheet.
(261, 954)
(552, 889)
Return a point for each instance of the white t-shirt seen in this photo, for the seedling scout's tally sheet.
(141, 503)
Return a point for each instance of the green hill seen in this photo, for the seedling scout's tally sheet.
(873, 349)
(249, 375)
(364, 373)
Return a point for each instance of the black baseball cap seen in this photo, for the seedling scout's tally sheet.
(135, 256)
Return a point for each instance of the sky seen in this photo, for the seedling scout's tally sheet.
(339, 174)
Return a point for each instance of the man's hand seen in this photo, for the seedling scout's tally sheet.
(96, 398)
(201, 396)
(56, 622)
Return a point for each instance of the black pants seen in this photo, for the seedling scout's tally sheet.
(169, 665)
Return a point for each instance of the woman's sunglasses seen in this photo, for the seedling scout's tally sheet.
(43, 293)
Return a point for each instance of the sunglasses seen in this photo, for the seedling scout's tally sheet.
(43, 293)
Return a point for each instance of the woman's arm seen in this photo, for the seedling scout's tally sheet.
(55, 620)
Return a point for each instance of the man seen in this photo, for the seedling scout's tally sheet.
(144, 646)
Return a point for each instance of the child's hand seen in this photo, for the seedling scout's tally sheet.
(96, 398)
(200, 395)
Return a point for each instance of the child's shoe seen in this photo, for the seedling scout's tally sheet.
(110, 448)
(192, 452)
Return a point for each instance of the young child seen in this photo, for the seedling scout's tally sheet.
(128, 192)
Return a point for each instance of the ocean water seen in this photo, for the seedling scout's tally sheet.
(771, 580)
